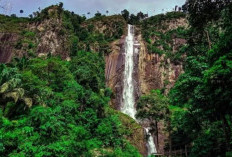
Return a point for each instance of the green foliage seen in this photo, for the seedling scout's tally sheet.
(203, 92)
(12, 24)
(29, 34)
(158, 19)
(13, 97)
(203, 11)
(161, 40)
(90, 71)
(152, 106)
(99, 32)
(68, 113)
(52, 107)
(125, 14)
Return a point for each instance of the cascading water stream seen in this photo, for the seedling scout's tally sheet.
(150, 143)
(128, 90)
(128, 106)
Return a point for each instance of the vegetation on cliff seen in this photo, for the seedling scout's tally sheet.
(60, 32)
(200, 102)
(165, 34)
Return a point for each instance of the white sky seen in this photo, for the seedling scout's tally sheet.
(83, 6)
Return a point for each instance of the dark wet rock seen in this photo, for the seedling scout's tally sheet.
(7, 44)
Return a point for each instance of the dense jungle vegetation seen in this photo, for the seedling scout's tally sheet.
(51, 107)
(198, 110)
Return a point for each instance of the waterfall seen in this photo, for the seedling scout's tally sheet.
(128, 104)
(128, 90)
(150, 143)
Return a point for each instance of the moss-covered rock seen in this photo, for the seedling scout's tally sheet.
(133, 131)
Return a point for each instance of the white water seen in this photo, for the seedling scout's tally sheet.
(128, 90)
(128, 106)
(150, 143)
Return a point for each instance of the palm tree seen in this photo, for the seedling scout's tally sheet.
(107, 12)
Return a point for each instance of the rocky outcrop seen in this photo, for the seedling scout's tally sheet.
(155, 71)
(38, 38)
(50, 38)
(172, 24)
(105, 29)
(109, 26)
(134, 132)
(7, 44)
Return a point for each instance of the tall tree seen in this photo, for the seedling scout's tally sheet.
(126, 14)
(98, 14)
(61, 4)
(153, 107)
(140, 15)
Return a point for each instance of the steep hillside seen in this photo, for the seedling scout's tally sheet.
(58, 32)
(163, 52)
(10, 28)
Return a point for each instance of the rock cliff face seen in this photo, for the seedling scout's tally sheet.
(50, 39)
(156, 71)
(109, 28)
(7, 44)
(31, 37)
(159, 66)
(60, 33)
(114, 71)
